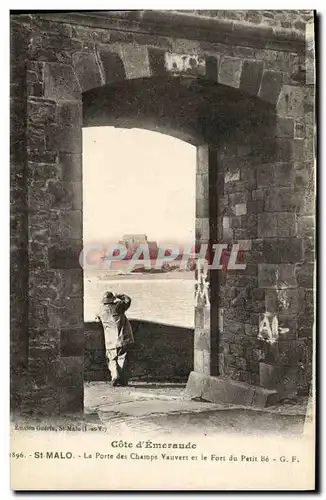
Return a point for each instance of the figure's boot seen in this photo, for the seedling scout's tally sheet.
(113, 365)
(123, 369)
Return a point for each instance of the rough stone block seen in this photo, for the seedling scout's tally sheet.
(232, 176)
(245, 245)
(71, 371)
(114, 70)
(223, 390)
(284, 127)
(287, 301)
(202, 163)
(69, 282)
(157, 60)
(64, 255)
(212, 68)
(202, 185)
(65, 225)
(305, 275)
(229, 72)
(71, 312)
(257, 194)
(65, 195)
(185, 63)
(276, 224)
(202, 229)
(202, 207)
(282, 250)
(241, 209)
(41, 111)
(71, 167)
(66, 139)
(277, 174)
(72, 342)
(88, 71)
(308, 249)
(69, 113)
(291, 101)
(285, 150)
(280, 199)
(71, 399)
(286, 276)
(306, 226)
(136, 61)
(251, 76)
(251, 330)
(267, 275)
(271, 85)
(60, 82)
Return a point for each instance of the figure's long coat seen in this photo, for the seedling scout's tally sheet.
(116, 326)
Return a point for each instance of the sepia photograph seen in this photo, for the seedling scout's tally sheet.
(162, 249)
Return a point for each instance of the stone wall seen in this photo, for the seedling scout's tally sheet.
(160, 353)
(295, 19)
(237, 77)
(18, 214)
(267, 206)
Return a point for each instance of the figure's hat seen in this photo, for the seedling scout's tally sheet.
(108, 298)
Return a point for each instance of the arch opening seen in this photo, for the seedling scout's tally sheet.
(140, 190)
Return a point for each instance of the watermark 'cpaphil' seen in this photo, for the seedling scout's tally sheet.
(219, 256)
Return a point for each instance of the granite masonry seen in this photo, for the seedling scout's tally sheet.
(234, 84)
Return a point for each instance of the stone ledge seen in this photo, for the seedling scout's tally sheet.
(223, 390)
(176, 24)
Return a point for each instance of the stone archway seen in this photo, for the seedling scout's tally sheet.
(248, 183)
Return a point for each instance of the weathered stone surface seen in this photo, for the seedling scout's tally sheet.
(277, 174)
(284, 127)
(305, 275)
(89, 73)
(271, 85)
(251, 76)
(65, 139)
(50, 128)
(291, 102)
(69, 113)
(71, 371)
(184, 63)
(202, 229)
(276, 225)
(308, 249)
(202, 207)
(282, 250)
(218, 389)
(267, 275)
(202, 159)
(157, 61)
(306, 226)
(229, 71)
(60, 82)
(71, 399)
(280, 199)
(202, 185)
(71, 167)
(212, 63)
(112, 65)
(66, 195)
(65, 255)
(241, 209)
(64, 225)
(232, 176)
(136, 61)
(41, 111)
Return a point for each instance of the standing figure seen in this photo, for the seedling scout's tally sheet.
(117, 334)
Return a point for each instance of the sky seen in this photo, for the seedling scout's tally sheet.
(137, 181)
